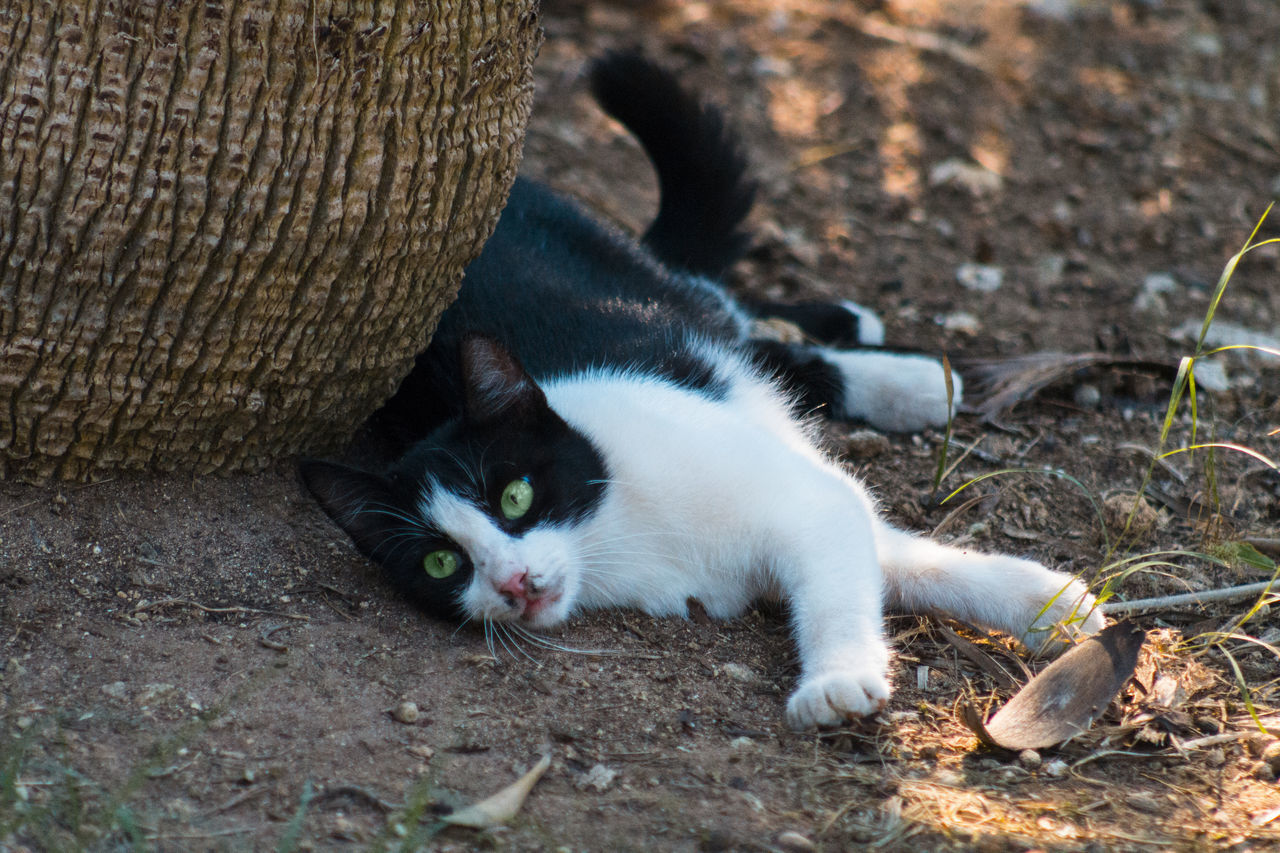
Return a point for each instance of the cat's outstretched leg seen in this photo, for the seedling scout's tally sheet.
(892, 391)
(825, 567)
(1040, 607)
(833, 324)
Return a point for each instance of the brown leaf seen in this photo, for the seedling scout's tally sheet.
(996, 385)
(1067, 697)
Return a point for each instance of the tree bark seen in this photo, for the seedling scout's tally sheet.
(227, 227)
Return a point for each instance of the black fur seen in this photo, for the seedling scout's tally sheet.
(705, 193)
(566, 292)
(823, 322)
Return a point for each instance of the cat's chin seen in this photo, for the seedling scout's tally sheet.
(545, 612)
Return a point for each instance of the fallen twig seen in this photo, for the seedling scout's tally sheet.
(923, 40)
(1187, 599)
(1270, 547)
(183, 602)
(230, 804)
(1211, 740)
(355, 792)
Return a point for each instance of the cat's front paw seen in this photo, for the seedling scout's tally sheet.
(1073, 615)
(833, 698)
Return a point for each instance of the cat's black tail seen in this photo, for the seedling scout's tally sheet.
(705, 193)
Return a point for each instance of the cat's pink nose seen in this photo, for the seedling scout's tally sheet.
(515, 586)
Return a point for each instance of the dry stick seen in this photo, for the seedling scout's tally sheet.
(923, 40)
(1270, 547)
(1213, 740)
(184, 602)
(1174, 602)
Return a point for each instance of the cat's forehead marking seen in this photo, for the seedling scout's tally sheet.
(459, 519)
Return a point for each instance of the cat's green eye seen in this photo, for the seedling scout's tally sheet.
(441, 564)
(517, 497)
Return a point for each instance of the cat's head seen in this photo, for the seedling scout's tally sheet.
(477, 519)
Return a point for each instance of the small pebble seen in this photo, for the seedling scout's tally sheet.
(1055, 768)
(1087, 396)
(1118, 507)
(1049, 270)
(972, 177)
(1144, 802)
(866, 444)
(406, 712)
(345, 829)
(960, 321)
(738, 672)
(1029, 759)
(949, 778)
(980, 277)
(794, 842)
(1271, 755)
(599, 779)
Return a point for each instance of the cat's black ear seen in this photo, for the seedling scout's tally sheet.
(363, 504)
(497, 385)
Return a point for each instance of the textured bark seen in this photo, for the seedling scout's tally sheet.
(227, 227)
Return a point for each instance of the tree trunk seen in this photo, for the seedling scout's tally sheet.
(227, 227)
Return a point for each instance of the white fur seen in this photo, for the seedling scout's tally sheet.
(870, 326)
(728, 501)
(894, 391)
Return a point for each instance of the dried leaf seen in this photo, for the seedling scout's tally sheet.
(1167, 693)
(502, 806)
(996, 385)
(984, 661)
(1067, 697)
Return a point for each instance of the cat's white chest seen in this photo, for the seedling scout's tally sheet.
(688, 507)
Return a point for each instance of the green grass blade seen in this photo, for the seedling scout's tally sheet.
(292, 832)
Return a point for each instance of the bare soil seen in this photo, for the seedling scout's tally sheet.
(207, 664)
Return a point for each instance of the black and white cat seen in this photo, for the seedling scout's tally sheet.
(593, 425)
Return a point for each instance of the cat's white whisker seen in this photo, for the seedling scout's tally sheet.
(488, 638)
(547, 643)
(466, 621)
(499, 631)
(512, 631)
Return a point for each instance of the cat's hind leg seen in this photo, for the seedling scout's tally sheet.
(833, 324)
(1035, 604)
(892, 391)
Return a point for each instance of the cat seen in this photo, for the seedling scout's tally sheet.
(594, 425)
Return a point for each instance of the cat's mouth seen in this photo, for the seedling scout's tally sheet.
(534, 606)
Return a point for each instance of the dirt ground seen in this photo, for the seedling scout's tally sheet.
(207, 664)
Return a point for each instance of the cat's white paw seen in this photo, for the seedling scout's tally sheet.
(893, 391)
(870, 326)
(833, 698)
(1074, 614)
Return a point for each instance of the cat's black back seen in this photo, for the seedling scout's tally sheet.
(567, 293)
